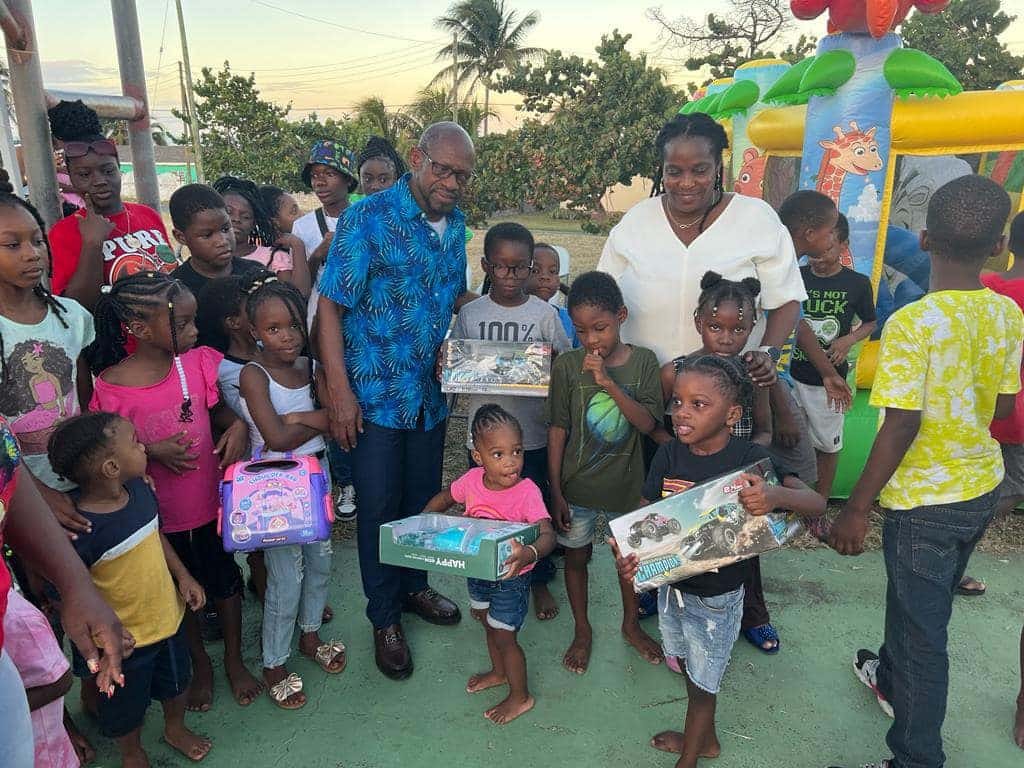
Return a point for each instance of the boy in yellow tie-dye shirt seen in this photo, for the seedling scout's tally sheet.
(949, 363)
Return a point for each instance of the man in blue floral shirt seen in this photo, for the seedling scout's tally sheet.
(396, 268)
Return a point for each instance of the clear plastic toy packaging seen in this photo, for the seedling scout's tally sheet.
(496, 368)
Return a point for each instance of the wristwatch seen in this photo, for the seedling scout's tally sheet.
(773, 352)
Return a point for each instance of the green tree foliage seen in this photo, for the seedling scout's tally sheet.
(489, 40)
(741, 34)
(604, 117)
(965, 37)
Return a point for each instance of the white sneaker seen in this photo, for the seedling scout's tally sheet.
(865, 666)
(345, 503)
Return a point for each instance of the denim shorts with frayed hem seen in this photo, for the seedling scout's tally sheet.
(506, 601)
(700, 631)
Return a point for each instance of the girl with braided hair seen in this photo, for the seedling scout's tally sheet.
(168, 390)
(43, 376)
(257, 238)
(380, 165)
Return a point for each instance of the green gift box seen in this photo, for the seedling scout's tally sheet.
(465, 546)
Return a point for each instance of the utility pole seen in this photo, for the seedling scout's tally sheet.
(185, 111)
(190, 96)
(455, 77)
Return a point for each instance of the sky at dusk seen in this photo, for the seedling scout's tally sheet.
(326, 55)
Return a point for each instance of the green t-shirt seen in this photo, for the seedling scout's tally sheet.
(603, 465)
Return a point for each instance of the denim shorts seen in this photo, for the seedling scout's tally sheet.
(582, 524)
(157, 672)
(506, 602)
(700, 631)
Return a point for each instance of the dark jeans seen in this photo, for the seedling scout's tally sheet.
(395, 473)
(926, 552)
(755, 611)
(341, 464)
(535, 467)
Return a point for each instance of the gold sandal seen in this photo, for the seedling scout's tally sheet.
(327, 653)
(280, 692)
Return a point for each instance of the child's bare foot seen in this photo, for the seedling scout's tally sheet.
(284, 689)
(84, 749)
(544, 605)
(199, 697)
(672, 741)
(481, 681)
(244, 687)
(135, 759)
(191, 745)
(1018, 725)
(577, 658)
(509, 710)
(643, 643)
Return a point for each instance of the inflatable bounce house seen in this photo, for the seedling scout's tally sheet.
(877, 127)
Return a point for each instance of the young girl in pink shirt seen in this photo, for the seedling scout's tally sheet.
(495, 490)
(168, 390)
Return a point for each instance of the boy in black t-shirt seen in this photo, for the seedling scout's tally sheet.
(835, 295)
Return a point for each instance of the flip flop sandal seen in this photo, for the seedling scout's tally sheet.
(758, 636)
(967, 591)
(327, 653)
(280, 692)
(672, 662)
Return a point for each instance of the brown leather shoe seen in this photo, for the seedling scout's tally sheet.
(433, 607)
(391, 652)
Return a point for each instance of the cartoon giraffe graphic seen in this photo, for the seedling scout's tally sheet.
(854, 152)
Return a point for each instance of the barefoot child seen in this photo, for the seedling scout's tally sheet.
(132, 565)
(497, 490)
(603, 398)
(700, 617)
(277, 404)
(949, 363)
(168, 390)
(506, 313)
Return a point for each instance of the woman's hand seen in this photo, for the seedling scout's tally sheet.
(70, 519)
(93, 227)
(90, 622)
(761, 368)
(175, 453)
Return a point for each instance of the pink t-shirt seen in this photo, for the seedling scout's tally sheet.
(32, 647)
(279, 260)
(190, 500)
(522, 503)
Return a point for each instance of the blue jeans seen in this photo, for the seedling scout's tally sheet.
(926, 552)
(395, 473)
(297, 578)
(341, 464)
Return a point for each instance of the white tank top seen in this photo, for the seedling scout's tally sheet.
(285, 400)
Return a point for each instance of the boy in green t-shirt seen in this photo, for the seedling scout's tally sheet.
(604, 396)
(949, 363)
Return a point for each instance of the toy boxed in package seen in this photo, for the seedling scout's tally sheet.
(701, 529)
(477, 367)
(466, 546)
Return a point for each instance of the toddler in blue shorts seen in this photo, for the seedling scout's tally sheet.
(700, 617)
(496, 490)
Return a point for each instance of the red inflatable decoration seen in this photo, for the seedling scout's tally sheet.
(876, 17)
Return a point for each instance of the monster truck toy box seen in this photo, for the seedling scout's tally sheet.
(465, 546)
(496, 368)
(701, 529)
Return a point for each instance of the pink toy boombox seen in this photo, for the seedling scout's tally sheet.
(274, 502)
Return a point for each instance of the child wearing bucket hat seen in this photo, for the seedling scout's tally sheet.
(332, 175)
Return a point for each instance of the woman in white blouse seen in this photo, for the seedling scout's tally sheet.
(664, 245)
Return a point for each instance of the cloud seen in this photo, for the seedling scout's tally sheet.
(78, 74)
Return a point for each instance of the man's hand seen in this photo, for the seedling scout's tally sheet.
(626, 566)
(93, 227)
(757, 497)
(840, 397)
(849, 531)
(345, 417)
(232, 444)
(594, 363)
(761, 368)
(175, 452)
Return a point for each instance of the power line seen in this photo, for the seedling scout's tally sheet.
(160, 57)
(330, 23)
(397, 52)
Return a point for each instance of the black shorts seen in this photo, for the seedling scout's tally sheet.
(202, 553)
(157, 672)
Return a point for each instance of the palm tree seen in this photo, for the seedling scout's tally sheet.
(374, 113)
(488, 39)
(433, 105)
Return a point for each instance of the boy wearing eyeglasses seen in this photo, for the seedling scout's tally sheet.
(108, 238)
(507, 313)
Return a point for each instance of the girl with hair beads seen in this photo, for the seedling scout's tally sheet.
(496, 490)
(168, 390)
(256, 237)
(43, 377)
(725, 316)
(699, 618)
(278, 404)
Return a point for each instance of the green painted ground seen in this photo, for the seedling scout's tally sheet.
(801, 708)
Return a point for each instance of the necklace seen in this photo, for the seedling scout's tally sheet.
(678, 223)
(129, 238)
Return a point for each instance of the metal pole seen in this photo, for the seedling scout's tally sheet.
(455, 77)
(7, 150)
(104, 104)
(193, 117)
(185, 112)
(133, 85)
(30, 104)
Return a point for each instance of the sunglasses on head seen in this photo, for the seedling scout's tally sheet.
(73, 149)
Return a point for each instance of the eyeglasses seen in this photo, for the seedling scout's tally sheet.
(73, 149)
(442, 171)
(502, 270)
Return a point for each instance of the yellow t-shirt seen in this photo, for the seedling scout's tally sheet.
(948, 356)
